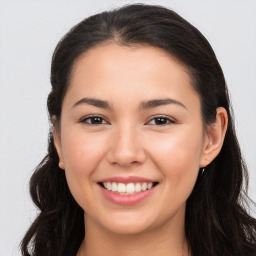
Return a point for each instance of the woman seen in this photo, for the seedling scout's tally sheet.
(143, 158)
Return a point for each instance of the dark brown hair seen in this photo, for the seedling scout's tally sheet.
(216, 220)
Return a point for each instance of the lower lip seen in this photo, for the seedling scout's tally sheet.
(126, 199)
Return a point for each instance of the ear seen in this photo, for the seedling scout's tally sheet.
(215, 134)
(57, 141)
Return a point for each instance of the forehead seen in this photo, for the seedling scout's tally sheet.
(115, 56)
(137, 71)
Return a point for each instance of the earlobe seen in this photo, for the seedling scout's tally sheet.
(57, 142)
(214, 137)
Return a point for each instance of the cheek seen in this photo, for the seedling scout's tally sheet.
(81, 151)
(178, 149)
(177, 156)
(82, 154)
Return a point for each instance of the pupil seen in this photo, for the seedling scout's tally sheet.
(160, 121)
(96, 120)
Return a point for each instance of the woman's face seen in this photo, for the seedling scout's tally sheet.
(131, 122)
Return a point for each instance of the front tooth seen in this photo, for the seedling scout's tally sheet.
(114, 187)
(130, 188)
(109, 186)
(150, 185)
(137, 187)
(144, 186)
(121, 188)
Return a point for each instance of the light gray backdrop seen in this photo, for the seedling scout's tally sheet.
(29, 31)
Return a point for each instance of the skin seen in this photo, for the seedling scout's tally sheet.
(127, 141)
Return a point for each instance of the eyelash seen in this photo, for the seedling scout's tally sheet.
(156, 119)
(85, 120)
(161, 118)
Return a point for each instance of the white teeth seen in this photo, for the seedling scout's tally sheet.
(150, 185)
(121, 188)
(137, 187)
(127, 189)
(114, 187)
(144, 186)
(130, 188)
(109, 186)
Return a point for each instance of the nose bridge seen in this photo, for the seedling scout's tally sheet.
(126, 145)
(127, 137)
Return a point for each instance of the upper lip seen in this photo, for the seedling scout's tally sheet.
(125, 180)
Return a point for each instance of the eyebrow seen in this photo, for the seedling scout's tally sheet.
(94, 102)
(159, 102)
(143, 105)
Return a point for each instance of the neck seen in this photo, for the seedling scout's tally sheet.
(167, 240)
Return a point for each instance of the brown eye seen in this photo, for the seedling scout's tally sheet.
(161, 120)
(94, 120)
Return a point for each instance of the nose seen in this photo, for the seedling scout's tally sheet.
(126, 147)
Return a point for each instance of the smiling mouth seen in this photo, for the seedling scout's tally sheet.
(129, 188)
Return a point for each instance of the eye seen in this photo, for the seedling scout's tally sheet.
(93, 120)
(160, 120)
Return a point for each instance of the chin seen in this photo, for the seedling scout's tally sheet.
(128, 225)
(127, 230)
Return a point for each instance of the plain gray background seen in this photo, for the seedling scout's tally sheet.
(29, 31)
